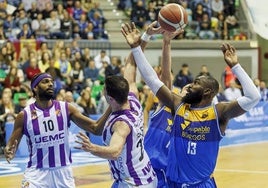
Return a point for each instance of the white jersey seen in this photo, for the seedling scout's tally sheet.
(47, 135)
(133, 164)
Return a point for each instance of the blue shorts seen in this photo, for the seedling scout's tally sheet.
(209, 183)
(162, 180)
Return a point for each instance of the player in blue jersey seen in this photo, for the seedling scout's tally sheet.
(157, 137)
(199, 125)
(123, 133)
(45, 124)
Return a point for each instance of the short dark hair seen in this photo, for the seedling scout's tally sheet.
(117, 87)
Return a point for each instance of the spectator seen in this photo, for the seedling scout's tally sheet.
(66, 25)
(96, 8)
(87, 5)
(83, 23)
(33, 69)
(229, 7)
(77, 77)
(227, 77)
(22, 103)
(10, 27)
(60, 11)
(205, 31)
(12, 80)
(56, 75)
(32, 11)
(220, 96)
(100, 58)
(39, 27)
(22, 19)
(76, 33)
(47, 10)
(11, 51)
(43, 48)
(263, 91)
(2, 33)
(230, 27)
(78, 11)
(20, 74)
(69, 6)
(65, 68)
(4, 59)
(86, 55)
(102, 104)
(70, 99)
(44, 62)
(87, 102)
(152, 12)
(198, 12)
(139, 15)
(204, 71)
(91, 73)
(183, 77)
(26, 32)
(58, 48)
(29, 54)
(98, 22)
(232, 93)
(54, 26)
(7, 114)
(78, 57)
(217, 7)
(113, 68)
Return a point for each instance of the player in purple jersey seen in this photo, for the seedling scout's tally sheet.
(199, 124)
(45, 124)
(123, 133)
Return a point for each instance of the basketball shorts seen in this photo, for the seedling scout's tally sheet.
(121, 184)
(48, 178)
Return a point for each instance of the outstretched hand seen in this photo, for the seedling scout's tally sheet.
(230, 55)
(131, 34)
(10, 151)
(84, 142)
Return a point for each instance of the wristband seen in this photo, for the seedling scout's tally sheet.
(145, 37)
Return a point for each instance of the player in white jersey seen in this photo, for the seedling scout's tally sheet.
(123, 134)
(45, 124)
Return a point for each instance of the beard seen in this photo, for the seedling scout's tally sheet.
(45, 94)
(193, 97)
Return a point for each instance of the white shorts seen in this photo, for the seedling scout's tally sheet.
(48, 178)
(121, 184)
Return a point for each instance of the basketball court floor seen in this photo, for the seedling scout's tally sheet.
(242, 162)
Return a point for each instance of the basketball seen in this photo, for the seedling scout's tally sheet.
(172, 17)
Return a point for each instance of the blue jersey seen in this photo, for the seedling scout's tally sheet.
(194, 144)
(157, 138)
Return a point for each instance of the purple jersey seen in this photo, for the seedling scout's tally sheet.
(133, 165)
(47, 133)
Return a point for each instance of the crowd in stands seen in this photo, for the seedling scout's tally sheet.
(79, 75)
(47, 19)
(207, 19)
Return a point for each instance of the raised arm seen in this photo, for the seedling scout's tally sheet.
(251, 95)
(132, 36)
(86, 123)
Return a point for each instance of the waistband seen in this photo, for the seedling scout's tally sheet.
(193, 184)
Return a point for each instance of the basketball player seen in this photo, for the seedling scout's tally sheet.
(162, 118)
(123, 133)
(45, 124)
(199, 125)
